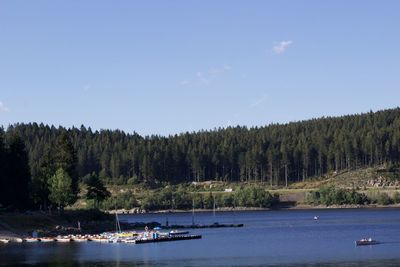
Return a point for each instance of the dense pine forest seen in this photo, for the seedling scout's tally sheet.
(277, 154)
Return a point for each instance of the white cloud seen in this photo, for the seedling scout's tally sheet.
(281, 47)
(3, 108)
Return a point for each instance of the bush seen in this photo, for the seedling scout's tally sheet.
(133, 180)
(396, 198)
(121, 201)
(337, 196)
(314, 197)
(384, 199)
(254, 196)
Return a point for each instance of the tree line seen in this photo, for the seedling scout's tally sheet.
(180, 197)
(277, 155)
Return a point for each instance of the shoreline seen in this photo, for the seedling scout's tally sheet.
(7, 232)
(245, 209)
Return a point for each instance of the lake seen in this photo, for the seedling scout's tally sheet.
(268, 238)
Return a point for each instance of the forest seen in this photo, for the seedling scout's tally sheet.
(276, 155)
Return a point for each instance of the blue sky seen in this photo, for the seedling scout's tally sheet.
(165, 67)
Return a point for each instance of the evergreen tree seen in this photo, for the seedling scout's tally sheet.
(65, 158)
(96, 189)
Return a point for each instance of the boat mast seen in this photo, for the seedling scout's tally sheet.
(117, 225)
(193, 212)
(214, 207)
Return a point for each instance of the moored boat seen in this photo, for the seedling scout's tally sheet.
(5, 241)
(63, 239)
(99, 239)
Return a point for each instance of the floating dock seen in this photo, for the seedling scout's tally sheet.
(167, 239)
(202, 226)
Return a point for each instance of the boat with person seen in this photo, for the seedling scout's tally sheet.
(366, 242)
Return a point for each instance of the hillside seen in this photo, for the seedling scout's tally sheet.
(288, 155)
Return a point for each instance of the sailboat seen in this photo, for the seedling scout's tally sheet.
(117, 237)
(193, 213)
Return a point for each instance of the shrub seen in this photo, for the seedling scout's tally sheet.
(384, 199)
(396, 197)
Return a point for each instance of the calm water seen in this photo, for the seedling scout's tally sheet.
(269, 238)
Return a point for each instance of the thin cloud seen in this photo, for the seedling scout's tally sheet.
(206, 77)
(259, 101)
(87, 87)
(3, 108)
(201, 77)
(216, 71)
(184, 82)
(247, 110)
(281, 47)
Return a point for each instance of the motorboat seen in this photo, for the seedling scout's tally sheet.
(177, 232)
(366, 242)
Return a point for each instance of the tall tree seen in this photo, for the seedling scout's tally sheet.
(60, 187)
(65, 158)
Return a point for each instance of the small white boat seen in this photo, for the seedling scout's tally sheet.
(63, 239)
(177, 232)
(129, 241)
(5, 241)
(316, 218)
